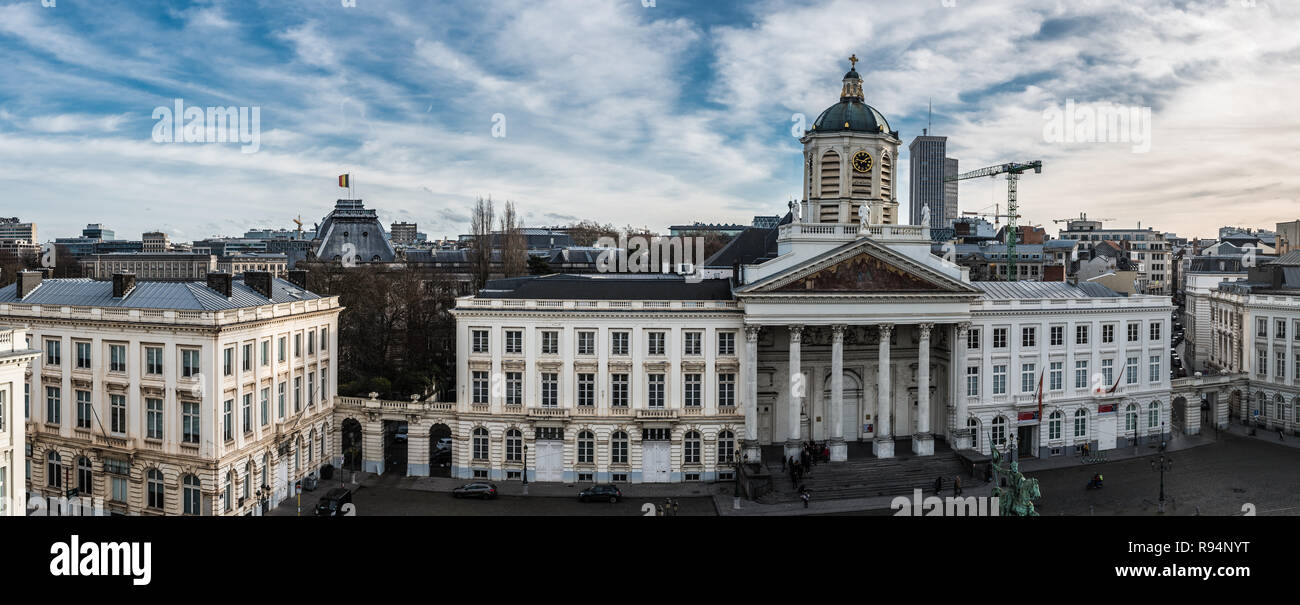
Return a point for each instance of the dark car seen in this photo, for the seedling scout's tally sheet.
(331, 504)
(601, 492)
(480, 490)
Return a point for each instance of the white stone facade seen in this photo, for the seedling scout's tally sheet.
(15, 356)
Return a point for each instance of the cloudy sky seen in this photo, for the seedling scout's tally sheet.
(632, 114)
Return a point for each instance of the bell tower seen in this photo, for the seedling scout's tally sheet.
(850, 156)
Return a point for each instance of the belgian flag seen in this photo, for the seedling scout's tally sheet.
(343, 180)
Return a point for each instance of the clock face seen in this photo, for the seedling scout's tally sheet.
(862, 161)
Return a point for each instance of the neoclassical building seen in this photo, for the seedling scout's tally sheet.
(15, 356)
(837, 325)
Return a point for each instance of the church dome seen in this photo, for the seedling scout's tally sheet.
(851, 114)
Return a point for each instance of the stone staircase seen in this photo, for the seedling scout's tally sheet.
(865, 476)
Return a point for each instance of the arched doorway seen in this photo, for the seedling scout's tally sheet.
(440, 450)
(1178, 415)
(852, 416)
(1234, 407)
(351, 443)
(395, 438)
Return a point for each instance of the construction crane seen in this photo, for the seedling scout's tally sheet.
(298, 221)
(1013, 170)
(1082, 217)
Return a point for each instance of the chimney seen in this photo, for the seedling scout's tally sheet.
(27, 281)
(47, 272)
(259, 281)
(123, 283)
(220, 282)
(298, 277)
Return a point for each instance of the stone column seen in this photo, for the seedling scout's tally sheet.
(962, 436)
(922, 440)
(417, 448)
(797, 391)
(751, 448)
(883, 445)
(372, 455)
(839, 450)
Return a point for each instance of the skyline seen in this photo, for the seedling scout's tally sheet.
(683, 112)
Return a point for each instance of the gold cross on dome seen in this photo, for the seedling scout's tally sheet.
(853, 60)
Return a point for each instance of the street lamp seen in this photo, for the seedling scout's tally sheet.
(525, 470)
(1162, 463)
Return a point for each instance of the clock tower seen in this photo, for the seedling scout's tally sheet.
(850, 155)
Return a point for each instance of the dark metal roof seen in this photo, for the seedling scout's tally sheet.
(607, 287)
(1002, 290)
(853, 116)
(184, 296)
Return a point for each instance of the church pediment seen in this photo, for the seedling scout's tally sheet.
(861, 273)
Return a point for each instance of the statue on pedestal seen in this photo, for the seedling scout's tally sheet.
(925, 215)
(1017, 498)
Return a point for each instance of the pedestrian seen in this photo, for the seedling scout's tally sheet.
(938, 485)
(804, 496)
(674, 507)
(1279, 435)
(988, 473)
(783, 464)
(956, 486)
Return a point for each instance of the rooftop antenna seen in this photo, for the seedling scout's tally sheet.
(929, 115)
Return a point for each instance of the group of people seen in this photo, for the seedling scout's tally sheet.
(956, 485)
(809, 456)
(668, 509)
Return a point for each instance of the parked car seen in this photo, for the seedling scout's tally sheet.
(601, 492)
(480, 490)
(443, 444)
(331, 504)
(309, 482)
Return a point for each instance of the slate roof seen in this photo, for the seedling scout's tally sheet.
(567, 286)
(1002, 290)
(183, 296)
(751, 246)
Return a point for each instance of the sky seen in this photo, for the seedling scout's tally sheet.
(623, 113)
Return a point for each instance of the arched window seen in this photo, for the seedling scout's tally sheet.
(1130, 417)
(155, 488)
(726, 447)
(973, 425)
(514, 445)
(1277, 406)
(618, 448)
(54, 469)
(84, 476)
(227, 489)
(1081, 423)
(190, 495)
(830, 176)
(1153, 415)
(297, 454)
(1054, 424)
(480, 443)
(887, 179)
(266, 464)
(586, 447)
(311, 440)
(1000, 431)
(692, 448)
(248, 479)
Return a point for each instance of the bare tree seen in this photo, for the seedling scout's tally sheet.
(587, 232)
(481, 246)
(513, 244)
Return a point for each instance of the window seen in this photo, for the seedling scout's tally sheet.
(618, 343)
(53, 406)
(1081, 423)
(297, 394)
(1154, 368)
(1028, 337)
(264, 405)
(691, 448)
(691, 343)
(280, 350)
(1107, 333)
(1153, 415)
(550, 342)
(228, 420)
(550, 389)
(514, 388)
(618, 390)
(1027, 378)
(972, 381)
(1058, 336)
(189, 363)
(479, 387)
(117, 358)
(228, 361)
(1262, 328)
(311, 342)
(248, 413)
(586, 447)
(297, 345)
(1054, 424)
(83, 355)
(1262, 366)
(480, 443)
(1081, 374)
(153, 361)
(52, 356)
(973, 338)
(618, 448)
(1281, 365)
(1134, 332)
(1155, 331)
(54, 469)
(190, 490)
(282, 389)
(999, 338)
(514, 342)
(586, 389)
(655, 343)
(1055, 378)
(999, 429)
(726, 389)
(1107, 371)
(726, 447)
(155, 480)
(118, 486)
(325, 340)
(691, 390)
(655, 390)
(189, 422)
(84, 410)
(999, 380)
(264, 350)
(247, 360)
(726, 343)
(85, 487)
(1130, 417)
(311, 387)
(153, 419)
(479, 341)
(973, 425)
(1081, 335)
(1131, 371)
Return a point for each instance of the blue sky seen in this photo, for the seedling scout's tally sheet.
(629, 114)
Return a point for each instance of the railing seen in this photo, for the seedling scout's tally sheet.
(692, 411)
(548, 412)
(117, 442)
(727, 410)
(839, 231)
(657, 413)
